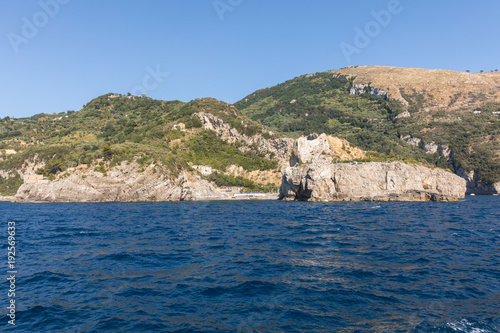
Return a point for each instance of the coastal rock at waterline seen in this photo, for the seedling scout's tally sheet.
(126, 184)
(370, 181)
(474, 186)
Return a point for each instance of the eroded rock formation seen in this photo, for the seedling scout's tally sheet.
(123, 183)
(313, 176)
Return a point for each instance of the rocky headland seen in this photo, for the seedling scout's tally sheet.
(312, 176)
(312, 168)
(308, 173)
(122, 184)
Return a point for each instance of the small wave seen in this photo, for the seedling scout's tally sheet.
(47, 277)
(250, 288)
(140, 292)
(117, 257)
(47, 319)
(465, 326)
(462, 326)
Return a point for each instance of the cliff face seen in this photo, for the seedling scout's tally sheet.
(308, 174)
(280, 148)
(442, 105)
(312, 176)
(473, 184)
(370, 181)
(123, 183)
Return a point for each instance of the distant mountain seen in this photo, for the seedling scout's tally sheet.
(449, 119)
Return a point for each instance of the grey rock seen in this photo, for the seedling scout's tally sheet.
(279, 148)
(370, 182)
(121, 184)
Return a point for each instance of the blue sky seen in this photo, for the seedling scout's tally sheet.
(225, 49)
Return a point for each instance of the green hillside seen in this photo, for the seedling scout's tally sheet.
(114, 128)
(322, 102)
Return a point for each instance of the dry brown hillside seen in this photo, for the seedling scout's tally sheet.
(434, 89)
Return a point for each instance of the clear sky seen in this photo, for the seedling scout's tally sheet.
(56, 55)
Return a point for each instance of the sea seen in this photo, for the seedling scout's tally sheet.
(252, 266)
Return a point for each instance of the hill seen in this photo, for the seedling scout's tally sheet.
(113, 128)
(444, 118)
(429, 89)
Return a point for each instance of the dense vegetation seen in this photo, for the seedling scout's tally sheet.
(227, 180)
(114, 128)
(322, 103)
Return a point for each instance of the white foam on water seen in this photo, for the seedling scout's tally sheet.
(467, 327)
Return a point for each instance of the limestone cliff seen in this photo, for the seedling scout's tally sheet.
(473, 184)
(313, 176)
(123, 183)
(370, 181)
(278, 148)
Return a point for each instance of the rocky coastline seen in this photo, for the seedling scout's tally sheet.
(308, 174)
(312, 176)
(125, 183)
(373, 181)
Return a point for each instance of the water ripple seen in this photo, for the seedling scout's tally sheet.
(258, 267)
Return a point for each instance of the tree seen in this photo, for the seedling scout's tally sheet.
(481, 71)
(107, 152)
(468, 71)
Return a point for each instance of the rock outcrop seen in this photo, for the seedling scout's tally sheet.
(311, 148)
(123, 183)
(367, 89)
(473, 184)
(279, 148)
(373, 181)
(313, 176)
(428, 147)
(258, 176)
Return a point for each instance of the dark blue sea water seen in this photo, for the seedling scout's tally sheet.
(253, 266)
